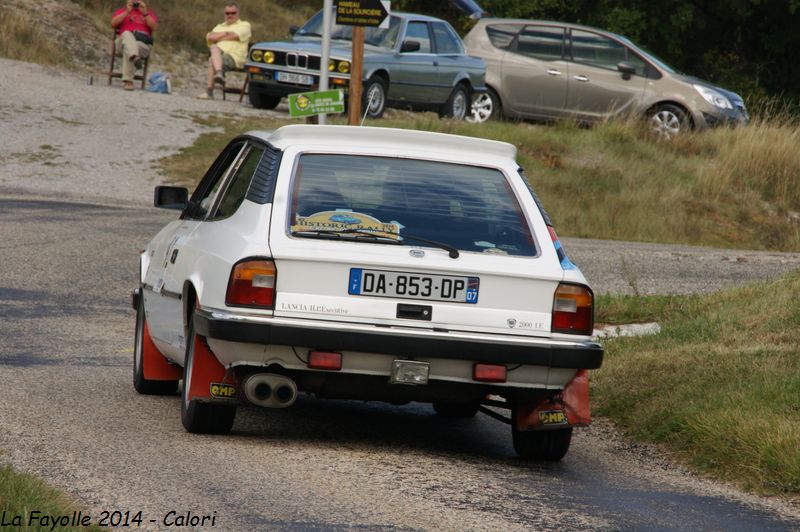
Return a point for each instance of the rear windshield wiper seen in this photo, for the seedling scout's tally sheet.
(379, 236)
(358, 235)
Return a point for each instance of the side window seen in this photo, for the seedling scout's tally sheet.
(502, 35)
(239, 182)
(596, 50)
(447, 42)
(207, 190)
(418, 31)
(541, 42)
(638, 63)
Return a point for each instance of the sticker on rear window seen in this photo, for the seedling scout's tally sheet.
(345, 220)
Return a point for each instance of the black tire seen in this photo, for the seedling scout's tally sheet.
(374, 90)
(497, 105)
(259, 100)
(668, 120)
(482, 109)
(198, 417)
(458, 105)
(550, 445)
(456, 410)
(140, 384)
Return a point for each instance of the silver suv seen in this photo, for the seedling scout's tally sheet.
(551, 70)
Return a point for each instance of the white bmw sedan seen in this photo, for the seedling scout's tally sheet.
(369, 264)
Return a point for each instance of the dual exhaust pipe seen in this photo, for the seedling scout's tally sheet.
(270, 390)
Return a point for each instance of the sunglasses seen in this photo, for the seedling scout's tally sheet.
(230, 12)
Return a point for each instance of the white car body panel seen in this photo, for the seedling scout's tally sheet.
(516, 292)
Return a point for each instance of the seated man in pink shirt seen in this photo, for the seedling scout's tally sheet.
(135, 24)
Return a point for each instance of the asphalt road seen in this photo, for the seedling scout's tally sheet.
(71, 416)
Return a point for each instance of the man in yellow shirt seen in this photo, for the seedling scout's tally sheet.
(228, 43)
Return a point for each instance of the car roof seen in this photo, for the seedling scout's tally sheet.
(402, 14)
(387, 140)
(490, 20)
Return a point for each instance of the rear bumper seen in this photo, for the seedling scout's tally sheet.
(405, 342)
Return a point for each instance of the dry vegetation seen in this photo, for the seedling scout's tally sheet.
(720, 385)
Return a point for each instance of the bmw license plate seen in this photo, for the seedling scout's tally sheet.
(381, 283)
(291, 77)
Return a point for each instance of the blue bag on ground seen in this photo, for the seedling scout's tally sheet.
(159, 82)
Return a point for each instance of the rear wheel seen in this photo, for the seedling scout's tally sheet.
(456, 410)
(550, 445)
(196, 416)
(260, 100)
(497, 105)
(141, 338)
(458, 105)
(374, 97)
(482, 108)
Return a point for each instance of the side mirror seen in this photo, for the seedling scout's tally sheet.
(409, 46)
(626, 68)
(166, 197)
(293, 29)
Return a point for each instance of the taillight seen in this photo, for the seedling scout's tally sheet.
(324, 360)
(252, 284)
(489, 372)
(573, 309)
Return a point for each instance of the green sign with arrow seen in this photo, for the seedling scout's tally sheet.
(316, 103)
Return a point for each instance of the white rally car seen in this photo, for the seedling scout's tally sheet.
(370, 264)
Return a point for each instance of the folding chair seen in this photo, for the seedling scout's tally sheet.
(112, 74)
(241, 90)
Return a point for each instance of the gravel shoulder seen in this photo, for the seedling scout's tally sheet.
(71, 416)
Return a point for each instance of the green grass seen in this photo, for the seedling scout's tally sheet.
(21, 494)
(720, 385)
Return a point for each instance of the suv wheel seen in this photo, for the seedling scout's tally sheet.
(667, 121)
(482, 108)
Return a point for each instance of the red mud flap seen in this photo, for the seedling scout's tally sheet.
(210, 381)
(569, 408)
(154, 366)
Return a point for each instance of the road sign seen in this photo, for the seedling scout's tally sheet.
(361, 12)
(315, 103)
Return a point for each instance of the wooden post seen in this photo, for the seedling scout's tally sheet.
(354, 97)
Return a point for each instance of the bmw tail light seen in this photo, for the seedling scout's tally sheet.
(252, 284)
(573, 309)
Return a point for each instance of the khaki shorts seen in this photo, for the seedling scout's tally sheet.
(228, 63)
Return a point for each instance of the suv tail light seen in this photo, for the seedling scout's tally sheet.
(573, 309)
(252, 284)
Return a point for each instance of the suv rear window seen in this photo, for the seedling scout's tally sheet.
(471, 208)
(502, 35)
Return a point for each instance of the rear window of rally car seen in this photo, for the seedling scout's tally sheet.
(469, 207)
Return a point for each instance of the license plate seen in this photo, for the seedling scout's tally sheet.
(291, 77)
(380, 283)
